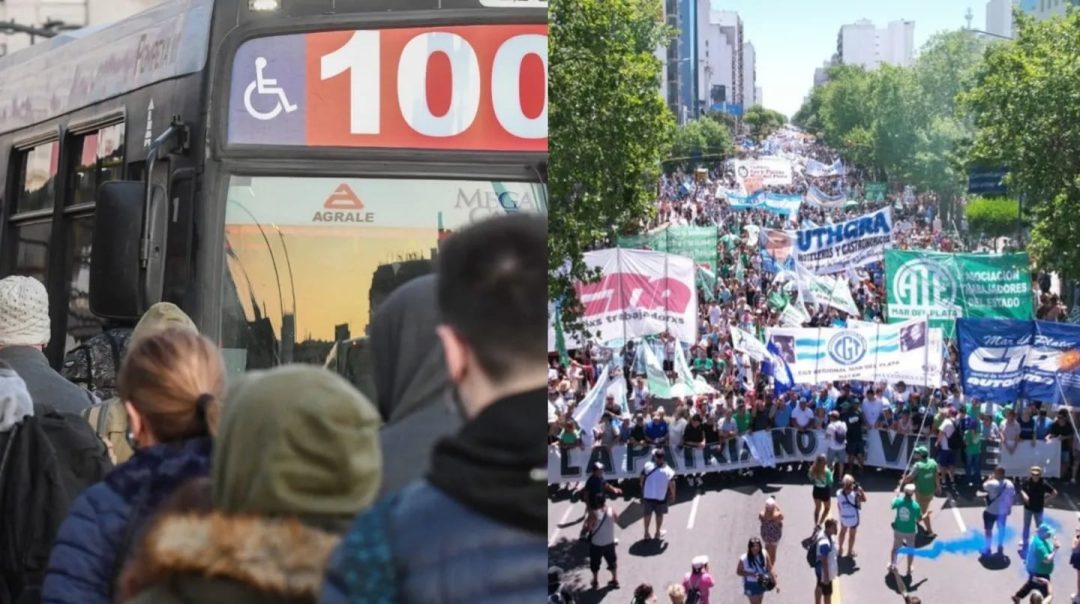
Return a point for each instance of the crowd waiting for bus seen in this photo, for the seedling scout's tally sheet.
(270, 486)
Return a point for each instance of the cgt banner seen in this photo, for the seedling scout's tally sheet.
(1002, 360)
(943, 287)
(640, 293)
(871, 353)
(856, 242)
(773, 171)
(698, 243)
(884, 449)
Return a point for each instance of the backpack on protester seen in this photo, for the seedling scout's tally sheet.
(693, 595)
(110, 421)
(95, 364)
(956, 439)
(46, 461)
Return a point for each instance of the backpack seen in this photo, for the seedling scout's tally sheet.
(95, 363)
(693, 595)
(46, 461)
(110, 421)
(956, 440)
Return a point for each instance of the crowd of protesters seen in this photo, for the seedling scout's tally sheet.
(273, 486)
(744, 399)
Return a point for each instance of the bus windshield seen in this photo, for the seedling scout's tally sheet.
(308, 260)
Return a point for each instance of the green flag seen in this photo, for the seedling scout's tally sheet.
(560, 338)
(778, 300)
(659, 385)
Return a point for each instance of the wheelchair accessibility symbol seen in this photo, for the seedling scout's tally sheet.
(266, 87)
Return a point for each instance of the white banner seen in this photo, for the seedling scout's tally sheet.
(856, 242)
(772, 171)
(640, 293)
(817, 169)
(894, 352)
(746, 342)
(884, 449)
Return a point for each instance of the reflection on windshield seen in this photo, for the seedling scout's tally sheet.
(308, 260)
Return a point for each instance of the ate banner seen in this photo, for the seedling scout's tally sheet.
(640, 293)
(944, 287)
(884, 449)
(857, 242)
(1003, 360)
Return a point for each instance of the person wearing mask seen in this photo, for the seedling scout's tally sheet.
(1039, 563)
(273, 518)
(1000, 493)
(171, 384)
(698, 582)
(413, 391)
(600, 530)
(110, 418)
(756, 569)
(927, 480)
(849, 500)
(905, 525)
(826, 565)
(821, 477)
(1034, 492)
(772, 527)
(25, 330)
(480, 513)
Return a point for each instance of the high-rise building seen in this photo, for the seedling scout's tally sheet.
(861, 43)
(999, 17)
(723, 65)
(749, 70)
(1044, 9)
(758, 98)
(69, 14)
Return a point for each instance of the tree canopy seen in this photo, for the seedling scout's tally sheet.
(763, 122)
(702, 138)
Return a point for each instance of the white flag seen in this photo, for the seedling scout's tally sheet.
(794, 315)
(746, 342)
(827, 291)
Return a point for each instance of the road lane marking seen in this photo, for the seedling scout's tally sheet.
(956, 515)
(558, 527)
(693, 512)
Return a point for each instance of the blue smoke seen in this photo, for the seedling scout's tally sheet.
(973, 542)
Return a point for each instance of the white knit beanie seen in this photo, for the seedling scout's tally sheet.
(24, 312)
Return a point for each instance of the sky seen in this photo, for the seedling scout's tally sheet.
(793, 37)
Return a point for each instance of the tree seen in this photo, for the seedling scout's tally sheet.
(703, 138)
(993, 217)
(609, 128)
(1026, 106)
(762, 122)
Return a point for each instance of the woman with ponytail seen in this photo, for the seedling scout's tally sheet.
(171, 384)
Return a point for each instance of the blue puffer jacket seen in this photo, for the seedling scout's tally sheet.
(392, 554)
(103, 522)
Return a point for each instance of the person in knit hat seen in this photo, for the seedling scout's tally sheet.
(296, 458)
(24, 333)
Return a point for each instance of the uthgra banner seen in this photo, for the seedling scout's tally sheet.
(944, 287)
(884, 449)
(856, 242)
(1002, 361)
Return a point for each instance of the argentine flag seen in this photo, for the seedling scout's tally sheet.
(778, 369)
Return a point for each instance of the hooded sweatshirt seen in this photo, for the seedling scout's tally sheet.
(296, 459)
(415, 395)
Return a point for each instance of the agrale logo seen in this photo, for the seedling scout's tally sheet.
(343, 205)
(847, 347)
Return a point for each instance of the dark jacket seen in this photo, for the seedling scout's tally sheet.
(414, 390)
(46, 386)
(473, 531)
(104, 521)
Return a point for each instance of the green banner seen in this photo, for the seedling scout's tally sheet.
(696, 243)
(945, 287)
(875, 191)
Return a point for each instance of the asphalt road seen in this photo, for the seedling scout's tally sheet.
(718, 520)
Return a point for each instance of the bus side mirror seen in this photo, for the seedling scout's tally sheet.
(115, 279)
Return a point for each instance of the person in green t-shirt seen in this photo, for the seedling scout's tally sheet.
(1039, 563)
(742, 417)
(821, 477)
(924, 474)
(906, 525)
(973, 453)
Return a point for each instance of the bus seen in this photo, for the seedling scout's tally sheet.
(273, 167)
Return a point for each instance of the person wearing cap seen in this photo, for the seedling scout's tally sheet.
(1000, 493)
(657, 490)
(596, 485)
(1034, 492)
(926, 480)
(1039, 563)
(25, 330)
(698, 580)
(905, 525)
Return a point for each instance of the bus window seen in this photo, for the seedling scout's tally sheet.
(100, 158)
(32, 249)
(81, 323)
(37, 170)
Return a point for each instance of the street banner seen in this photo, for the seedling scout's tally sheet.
(773, 171)
(817, 169)
(819, 198)
(1005, 360)
(869, 354)
(944, 287)
(640, 293)
(857, 242)
(746, 342)
(884, 449)
(777, 250)
(697, 243)
(875, 191)
(777, 203)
